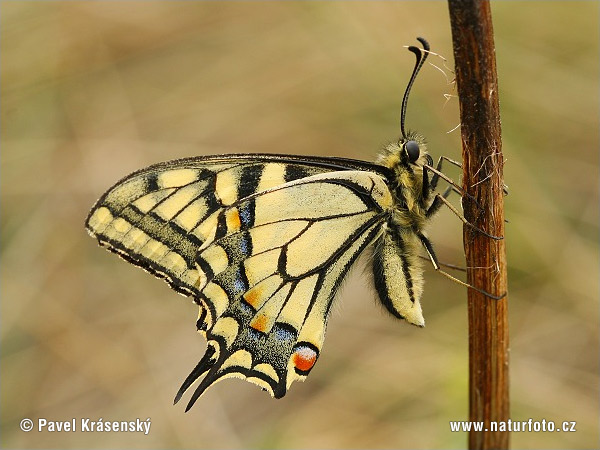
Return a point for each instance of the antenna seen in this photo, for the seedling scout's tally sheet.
(421, 57)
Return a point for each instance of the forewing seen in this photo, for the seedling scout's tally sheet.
(158, 217)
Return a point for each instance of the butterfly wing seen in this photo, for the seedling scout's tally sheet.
(261, 244)
(158, 217)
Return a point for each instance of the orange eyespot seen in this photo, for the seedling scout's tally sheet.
(304, 358)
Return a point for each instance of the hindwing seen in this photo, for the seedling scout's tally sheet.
(261, 242)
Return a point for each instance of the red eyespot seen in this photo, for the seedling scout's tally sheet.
(304, 357)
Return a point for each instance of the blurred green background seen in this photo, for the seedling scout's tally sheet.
(94, 90)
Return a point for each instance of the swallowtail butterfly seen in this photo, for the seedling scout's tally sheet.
(262, 243)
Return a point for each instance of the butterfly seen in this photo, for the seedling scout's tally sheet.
(262, 242)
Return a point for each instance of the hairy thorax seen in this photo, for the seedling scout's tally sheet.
(410, 202)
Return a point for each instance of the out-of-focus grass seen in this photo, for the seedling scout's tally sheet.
(94, 90)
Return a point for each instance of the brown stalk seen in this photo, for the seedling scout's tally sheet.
(477, 84)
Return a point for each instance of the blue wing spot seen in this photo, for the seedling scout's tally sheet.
(239, 283)
(246, 211)
(284, 332)
(245, 245)
(255, 334)
(246, 308)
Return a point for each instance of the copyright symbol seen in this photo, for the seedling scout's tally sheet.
(26, 425)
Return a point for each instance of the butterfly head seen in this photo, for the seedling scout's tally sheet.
(413, 151)
(409, 154)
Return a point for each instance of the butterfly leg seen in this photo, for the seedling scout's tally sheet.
(436, 265)
(437, 204)
(437, 174)
(440, 200)
(435, 178)
(449, 266)
(438, 166)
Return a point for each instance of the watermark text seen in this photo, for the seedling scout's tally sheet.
(86, 425)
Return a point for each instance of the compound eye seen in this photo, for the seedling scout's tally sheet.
(412, 150)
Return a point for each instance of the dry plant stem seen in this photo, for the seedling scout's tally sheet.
(477, 85)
